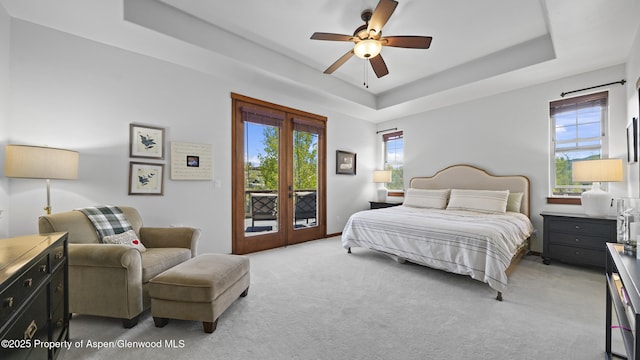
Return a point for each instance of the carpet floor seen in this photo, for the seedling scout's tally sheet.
(315, 301)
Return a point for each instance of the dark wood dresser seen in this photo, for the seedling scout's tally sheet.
(382, 204)
(577, 238)
(34, 297)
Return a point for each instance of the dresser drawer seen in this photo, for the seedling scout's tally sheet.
(579, 240)
(57, 287)
(21, 288)
(575, 226)
(577, 255)
(30, 325)
(57, 256)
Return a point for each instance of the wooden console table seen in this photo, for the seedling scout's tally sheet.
(623, 295)
(34, 297)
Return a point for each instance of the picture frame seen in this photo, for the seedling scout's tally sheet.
(345, 162)
(146, 178)
(632, 141)
(146, 141)
(191, 161)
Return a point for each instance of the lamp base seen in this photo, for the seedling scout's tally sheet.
(382, 194)
(596, 202)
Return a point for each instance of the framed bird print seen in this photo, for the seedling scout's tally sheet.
(146, 178)
(146, 141)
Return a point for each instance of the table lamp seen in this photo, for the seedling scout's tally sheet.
(596, 202)
(36, 162)
(382, 177)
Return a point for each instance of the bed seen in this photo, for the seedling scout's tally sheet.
(462, 220)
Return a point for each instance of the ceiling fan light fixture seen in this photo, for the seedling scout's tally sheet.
(367, 49)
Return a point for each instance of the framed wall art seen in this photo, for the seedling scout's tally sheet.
(146, 141)
(191, 161)
(345, 162)
(146, 178)
(632, 141)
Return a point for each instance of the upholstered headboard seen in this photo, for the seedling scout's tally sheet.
(471, 177)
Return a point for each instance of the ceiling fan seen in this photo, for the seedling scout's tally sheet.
(369, 41)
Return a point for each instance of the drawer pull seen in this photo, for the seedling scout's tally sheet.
(59, 323)
(59, 255)
(28, 282)
(43, 268)
(60, 287)
(31, 330)
(577, 252)
(8, 302)
(577, 240)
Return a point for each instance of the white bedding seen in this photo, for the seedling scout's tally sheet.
(462, 242)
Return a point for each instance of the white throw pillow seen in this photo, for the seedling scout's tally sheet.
(426, 198)
(128, 238)
(487, 201)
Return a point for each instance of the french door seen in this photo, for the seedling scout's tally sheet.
(279, 175)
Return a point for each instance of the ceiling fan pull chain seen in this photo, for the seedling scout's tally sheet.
(366, 74)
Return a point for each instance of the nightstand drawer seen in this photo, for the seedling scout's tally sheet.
(579, 240)
(579, 255)
(579, 227)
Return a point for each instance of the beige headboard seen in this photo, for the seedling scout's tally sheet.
(471, 177)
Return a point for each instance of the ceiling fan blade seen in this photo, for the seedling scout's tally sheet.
(331, 37)
(381, 15)
(413, 42)
(343, 59)
(379, 66)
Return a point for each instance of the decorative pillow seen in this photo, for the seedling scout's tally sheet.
(487, 201)
(425, 198)
(514, 202)
(128, 238)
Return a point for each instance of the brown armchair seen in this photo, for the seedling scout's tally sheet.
(111, 280)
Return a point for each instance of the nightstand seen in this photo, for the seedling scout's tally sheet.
(382, 204)
(577, 238)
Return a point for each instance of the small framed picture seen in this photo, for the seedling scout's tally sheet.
(632, 141)
(146, 141)
(345, 163)
(146, 178)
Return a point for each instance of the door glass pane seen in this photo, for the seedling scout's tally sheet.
(305, 179)
(261, 148)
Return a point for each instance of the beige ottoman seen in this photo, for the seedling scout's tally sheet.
(200, 289)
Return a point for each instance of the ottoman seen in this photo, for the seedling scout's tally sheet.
(200, 289)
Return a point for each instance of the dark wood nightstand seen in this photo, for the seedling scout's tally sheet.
(577, 238)
(382, 204)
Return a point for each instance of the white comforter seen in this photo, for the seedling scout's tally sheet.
(462, 242)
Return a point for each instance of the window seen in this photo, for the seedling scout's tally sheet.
(394, 159)
(578, 133)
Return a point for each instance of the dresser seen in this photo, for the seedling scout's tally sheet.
(34, 306)
(623, 296)
(382, 204)
(577, 238)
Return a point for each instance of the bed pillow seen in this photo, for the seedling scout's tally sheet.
(128, 238)
(426, 198)
(514, 202)
(486, 201)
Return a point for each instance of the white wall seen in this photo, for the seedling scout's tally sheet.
(507, 134)
(633, 77)
(74, 93)
(4, 106)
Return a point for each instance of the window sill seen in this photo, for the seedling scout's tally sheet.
(564, 200)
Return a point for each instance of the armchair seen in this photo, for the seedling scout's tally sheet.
(111, 280)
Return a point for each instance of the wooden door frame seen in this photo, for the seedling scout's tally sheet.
(285, 226)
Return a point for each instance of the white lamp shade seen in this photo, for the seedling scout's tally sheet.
(367, 49)
(35, 162)
(597, 170)
(382, 176)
